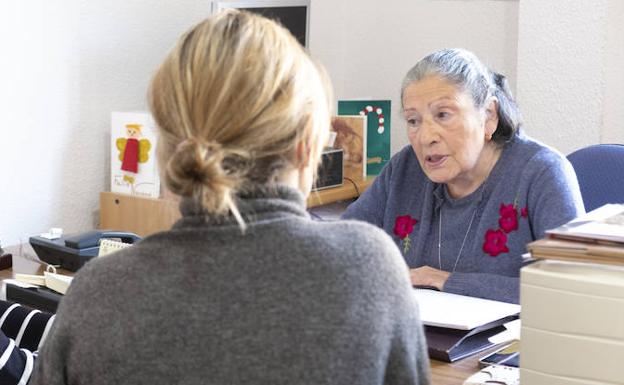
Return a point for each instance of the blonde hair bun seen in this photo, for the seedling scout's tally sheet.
(195, 169)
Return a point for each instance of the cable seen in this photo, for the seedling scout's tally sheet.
(357, 190)
(315, 216)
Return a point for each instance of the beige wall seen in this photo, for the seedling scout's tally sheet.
(612, 130)
(66, 64)
(368, 46)
(570, 78)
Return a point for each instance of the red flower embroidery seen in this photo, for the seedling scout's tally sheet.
(495, 242)
(508, 218)
(403, 227)
(524, 212)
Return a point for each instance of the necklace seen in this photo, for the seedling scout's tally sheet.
(474, 213)
(463, 242)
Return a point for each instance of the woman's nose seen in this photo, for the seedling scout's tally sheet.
(429, 132)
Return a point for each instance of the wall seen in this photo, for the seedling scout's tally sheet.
(72, 62)
(570, 82)
(612, 130)
(368, 48)
(66, 65)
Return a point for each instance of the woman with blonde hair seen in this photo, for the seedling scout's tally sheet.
(245, 288)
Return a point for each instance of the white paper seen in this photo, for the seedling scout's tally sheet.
(512, 332)
(495, 374)
(20, 284)
(603, 223)
(108, 246)
(454, 311)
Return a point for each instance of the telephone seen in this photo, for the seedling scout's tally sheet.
(73, 251)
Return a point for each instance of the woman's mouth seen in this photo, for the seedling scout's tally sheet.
(435, 160)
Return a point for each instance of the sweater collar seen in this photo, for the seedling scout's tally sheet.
(257, 204)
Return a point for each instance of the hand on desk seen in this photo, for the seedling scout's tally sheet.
(428, 276)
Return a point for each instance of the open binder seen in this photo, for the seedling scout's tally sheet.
(450, 345)
(458, 326)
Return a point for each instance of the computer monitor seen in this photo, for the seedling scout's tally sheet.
(292, 14)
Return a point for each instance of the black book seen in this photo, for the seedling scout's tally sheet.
(40, 298)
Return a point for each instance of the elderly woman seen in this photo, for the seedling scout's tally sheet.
(471, 190)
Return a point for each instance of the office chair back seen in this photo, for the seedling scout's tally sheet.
(600, 172)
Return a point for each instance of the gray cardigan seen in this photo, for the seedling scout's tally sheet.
(532, 188)
(292, 301)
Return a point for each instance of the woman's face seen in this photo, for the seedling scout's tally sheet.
(447, 132)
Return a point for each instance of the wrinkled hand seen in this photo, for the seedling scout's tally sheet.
(428, 276)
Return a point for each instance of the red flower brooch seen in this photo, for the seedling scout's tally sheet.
(495, 241)
(508, 220)
(403, 227)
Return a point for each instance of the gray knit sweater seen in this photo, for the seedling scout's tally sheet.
(531, 189)
(292, 301)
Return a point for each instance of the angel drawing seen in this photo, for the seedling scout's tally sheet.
(132, 151)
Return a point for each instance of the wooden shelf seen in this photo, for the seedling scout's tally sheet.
(348, 190)
(144, 216)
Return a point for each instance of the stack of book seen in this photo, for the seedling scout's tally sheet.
(597, 237)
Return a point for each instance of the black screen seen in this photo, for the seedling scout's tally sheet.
(293, 18)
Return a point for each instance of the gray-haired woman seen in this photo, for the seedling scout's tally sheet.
(471, 190)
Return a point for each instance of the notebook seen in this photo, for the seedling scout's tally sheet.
(458, 326)
(461, 312)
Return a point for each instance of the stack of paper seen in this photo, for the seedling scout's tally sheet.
(596, 237)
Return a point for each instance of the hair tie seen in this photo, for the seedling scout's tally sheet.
(186, 142)
(206, 148)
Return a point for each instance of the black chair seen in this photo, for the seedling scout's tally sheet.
(600, 172)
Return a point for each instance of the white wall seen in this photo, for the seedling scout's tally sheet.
(368, 45)
(570, 79)
(68, 63)
(612, 130)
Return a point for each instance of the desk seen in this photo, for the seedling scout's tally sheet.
(45, 300)
(348, 190)
(443, 373)
(25, 266)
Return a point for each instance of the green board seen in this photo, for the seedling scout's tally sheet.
(378, 115)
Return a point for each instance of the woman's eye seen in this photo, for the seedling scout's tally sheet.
(443, 115)
(412, 121)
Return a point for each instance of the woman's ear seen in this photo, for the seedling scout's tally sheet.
(491, 118)
(303, 155)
